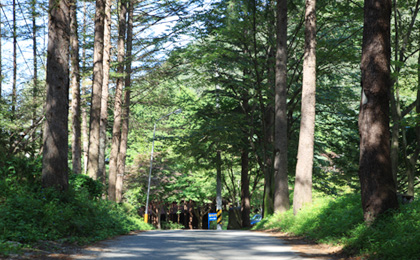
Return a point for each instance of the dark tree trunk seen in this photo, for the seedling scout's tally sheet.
(268, 167)
(54, 162)
(245, 198)
(377, 183)
(95, 110)
(281, 190)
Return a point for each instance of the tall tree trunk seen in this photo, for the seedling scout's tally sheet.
(105, 92)
(281, 190)
(85, 130)
(1, 57)
(75, 88)
(95, 111)
(377, 184)
(267, 111)
(395, 108)
(35, 81)
(304, 167)
(54, 161)
(14, 92)
(116, 129)
(126, 113)
(417, 129)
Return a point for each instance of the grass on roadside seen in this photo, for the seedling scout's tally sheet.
(339, 221)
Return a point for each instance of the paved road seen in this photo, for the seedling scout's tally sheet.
(193, 245)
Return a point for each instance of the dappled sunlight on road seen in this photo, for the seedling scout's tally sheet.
(193, 245)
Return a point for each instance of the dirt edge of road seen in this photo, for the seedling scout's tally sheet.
(311, 249)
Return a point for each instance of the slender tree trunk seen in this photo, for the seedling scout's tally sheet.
(303, 182)
(395, 109)
(281, 190)
(245, 194)
(245, 198)
(417, 129)
(126, 113)
(116, 130)
(75, 87)
(1, 57)
(14, 92)
(105, 92)
(377, 184)
(35, 81)
(54, 162)
(85, 130)
(95, 111)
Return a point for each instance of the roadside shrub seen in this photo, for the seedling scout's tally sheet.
(169, 225)
(30, 213)
(81, 182)
(339, 220)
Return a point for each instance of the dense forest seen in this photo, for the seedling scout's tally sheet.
(163, 111)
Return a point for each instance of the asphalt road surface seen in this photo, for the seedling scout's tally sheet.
(193, 245)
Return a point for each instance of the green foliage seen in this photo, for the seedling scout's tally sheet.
(171, 225)
(82, 182)
(29, 213)
(9, 247)
(72, 216)
(339, 220)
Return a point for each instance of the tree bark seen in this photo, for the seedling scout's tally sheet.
(35, 81)
(105, 92)
(245, 198)
(54, 162)
(126, 113)
(95, 111)
(377, 184)
(303, 182)
(281, 190)
(268, 165)
(14, 94)
(1, 57)
(75, 87)
(85, 130)
(116, 129)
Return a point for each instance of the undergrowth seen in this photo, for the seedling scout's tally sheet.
(339, 221)
(30, 213)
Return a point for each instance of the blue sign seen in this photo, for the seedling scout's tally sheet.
(212, 217)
